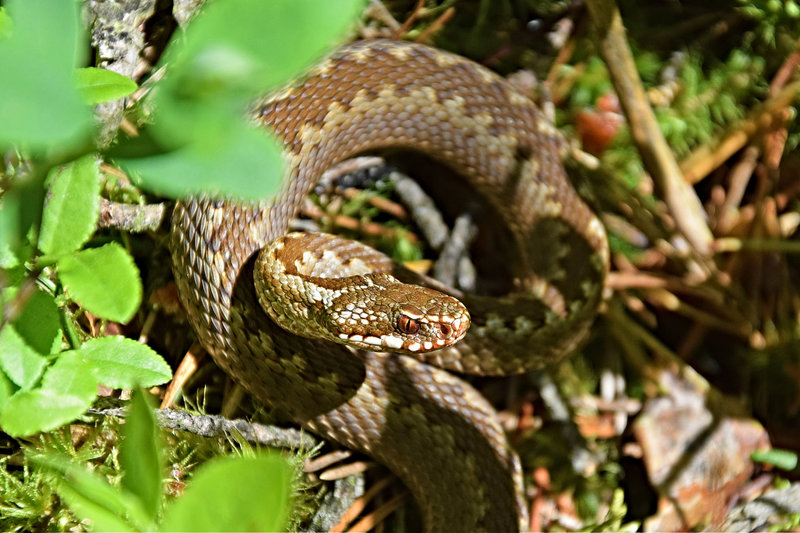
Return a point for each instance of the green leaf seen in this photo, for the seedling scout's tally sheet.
(68, 389)
(71, 208)
(213, 76)
(103, 280)
(19, 361)
(71, 376)
(39, 104)
(98, 85)
(92, 498)
(122, 363)
(5, 24)
(6, 389)
(140, 454)
(215, 59)
(20, 212)
(39, 325)
(245, 164)
(783, 459)
(221, 481)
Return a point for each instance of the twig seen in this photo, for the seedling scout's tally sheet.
(739, 177)
(438, 23)
(656, 155)
(399, 32)
(360, 503)
(332, 511)
(346, 470)
(375, 517)
(456, 248)
(423, 209)
(324, 461)
(711, 155)
(188, 366)
(130, 217)
(732, 244)
(215, 426)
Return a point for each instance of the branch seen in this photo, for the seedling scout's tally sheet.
(656, 155)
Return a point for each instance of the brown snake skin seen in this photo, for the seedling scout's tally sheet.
(431, 428)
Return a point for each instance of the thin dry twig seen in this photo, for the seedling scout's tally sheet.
(216, 426)
(324, 461)
(701, 162)
(375, 517)
(188, 366)
(656, 155)
(130, 217)
(438, 23)
(360, 503)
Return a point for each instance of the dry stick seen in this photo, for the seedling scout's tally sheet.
(360, 503)
(438, 23)
(188, 366)
(656, 155)
(336, 503)
(314, 212)
(667, 300)
(339, 472)
(324, 461)
(739, 177)
(131, 217)
(378, 202)
(375, 517)
(217, 426)
(708, 157)
(398, 33)
(379, 12)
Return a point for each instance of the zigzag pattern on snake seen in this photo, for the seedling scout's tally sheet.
(430, 427)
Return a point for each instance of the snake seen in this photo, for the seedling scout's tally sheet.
(408, 408)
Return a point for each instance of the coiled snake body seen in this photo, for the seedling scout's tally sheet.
(431, 428)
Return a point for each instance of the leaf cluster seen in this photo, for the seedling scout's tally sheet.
(57, 275)
(137, 502)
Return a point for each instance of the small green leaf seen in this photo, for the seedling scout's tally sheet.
(71, 376)
(220, 481)
(68, 389)
(245, 164)
(783, 459)
(40, 107)
(92, 498)
(71, 208)
(39, 325)
(263, 59)
(19, 361)
(98, 85)
(213, 76)
(20, 212)
(6, 389)
(36, 410)
(140, 454)
(122, 363)
(104, 280)
(5, 24)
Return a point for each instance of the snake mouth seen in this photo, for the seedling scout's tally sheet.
(435, 332)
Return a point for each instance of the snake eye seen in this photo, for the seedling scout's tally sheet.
(407, 325)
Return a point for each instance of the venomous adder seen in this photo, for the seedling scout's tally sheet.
(430, 427)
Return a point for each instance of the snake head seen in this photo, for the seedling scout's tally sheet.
(398, 317)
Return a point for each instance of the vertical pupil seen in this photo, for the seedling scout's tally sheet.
(407, 325)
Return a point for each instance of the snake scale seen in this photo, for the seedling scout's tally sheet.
(436, 432)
